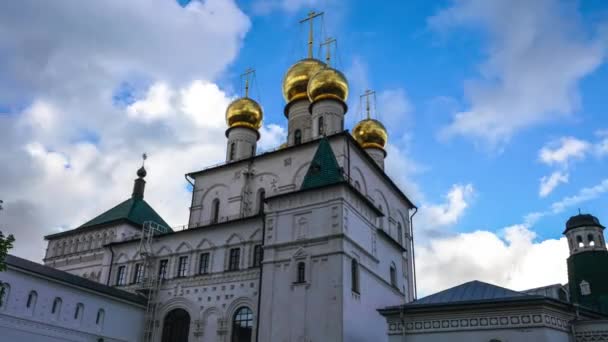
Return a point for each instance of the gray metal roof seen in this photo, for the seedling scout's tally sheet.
(473, 291)
(49, 272)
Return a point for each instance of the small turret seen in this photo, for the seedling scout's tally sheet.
(371, 134)
(140, 184)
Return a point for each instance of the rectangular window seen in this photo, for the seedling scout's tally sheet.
(203, 265)
(257, 255)
(120, 275)
(138, 274)
(162, 269)
(182, 266)
(233, 261)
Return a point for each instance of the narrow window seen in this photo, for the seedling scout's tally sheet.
(354, 275)
(261, 198)
(215, 211)
(120, 275)
(31, 300)
(321, 126)
(393, 275)
(242, 325)
(100, 317)
(78, 311)
(233, 261)
(399, 233)
(232, 151)
(182, 266)
(56, 308)
(579, 241)
(257, 255)
(4, 290)
(585, 288)
(253, 150)
(297, 137)
(203, 265)
(590, 240)
(162, 269)
(301, 273)
(138, 275)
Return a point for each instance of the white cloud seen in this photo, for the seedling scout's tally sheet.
(548, 184)
(72, 147)
(434, 216)
(585, 194)
(394, 109)
(523, 82)
(272, 136)
(511, 259)
(564, 150)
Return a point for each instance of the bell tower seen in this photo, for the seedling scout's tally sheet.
(588, 262)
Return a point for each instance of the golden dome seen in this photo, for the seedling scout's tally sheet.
(328, 83)
(244, 112)
(370, 133)
(296, 79)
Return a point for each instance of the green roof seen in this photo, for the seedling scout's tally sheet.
(133, 210)
(324, 169)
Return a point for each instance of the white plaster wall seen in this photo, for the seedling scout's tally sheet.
(332, 112)
(244, 139)
(122, 320)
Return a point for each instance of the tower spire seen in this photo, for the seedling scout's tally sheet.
(328, 43)
(309, 18)
(140, 183)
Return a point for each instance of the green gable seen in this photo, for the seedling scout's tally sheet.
(324, 169)
(133, 210)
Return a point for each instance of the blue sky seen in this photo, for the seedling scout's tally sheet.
(485, 101)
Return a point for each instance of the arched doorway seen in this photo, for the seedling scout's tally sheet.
(242, 325)
(176, 327)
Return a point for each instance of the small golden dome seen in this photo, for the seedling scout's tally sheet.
(328, 83)
(370, 133)
(244, 112)
(296, 79)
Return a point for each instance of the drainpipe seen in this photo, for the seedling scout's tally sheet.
(257, 323)
(111, 262)
(413, 253)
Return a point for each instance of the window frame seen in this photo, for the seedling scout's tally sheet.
(121, 275)
(182, 266)
(258, 256)
(207, 259)
(301, 273)
(297, 137)
(355, 283)
(138, 273)
(234, 256)
(163, 266)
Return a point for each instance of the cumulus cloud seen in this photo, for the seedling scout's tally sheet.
(583, 195)
(73, 140)
(433, 216)
(564, 150)
(512, 259)
(549, 183)
(523, 82)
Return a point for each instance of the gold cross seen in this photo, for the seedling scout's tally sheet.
(328, 42)
(311, 16)
(367, 94)
(246, 75)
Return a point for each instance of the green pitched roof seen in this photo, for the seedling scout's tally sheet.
(133, 210)
(324, 169)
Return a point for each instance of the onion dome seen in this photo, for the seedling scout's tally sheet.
(328, 83)
(295, 82)
(370, 133)
(141, 173)
(582, 220)
(244, 112)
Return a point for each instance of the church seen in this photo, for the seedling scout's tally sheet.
(312, 241)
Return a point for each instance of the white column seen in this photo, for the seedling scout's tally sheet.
(242, 143)
(298, 119)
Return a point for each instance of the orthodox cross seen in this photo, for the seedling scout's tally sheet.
(311, 16)
(367, 94)
(328, 43)
(247, 74)
(144, 156)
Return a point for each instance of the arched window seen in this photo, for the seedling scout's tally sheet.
(56, 308)
(393, 272)
(78, 311)
(590, 240)
(5, 289)
(252, 150)
(31, 301)
(232, 151)
(354, 275)
(579, 241)
(261, 198)
(321, 126)
(297, 137)
(399, 233)
(242, 325)
(381, 218)
(215, 211)
(301, 277)
(176, 326)
(101, 315)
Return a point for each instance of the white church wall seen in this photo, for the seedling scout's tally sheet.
(120, 320)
